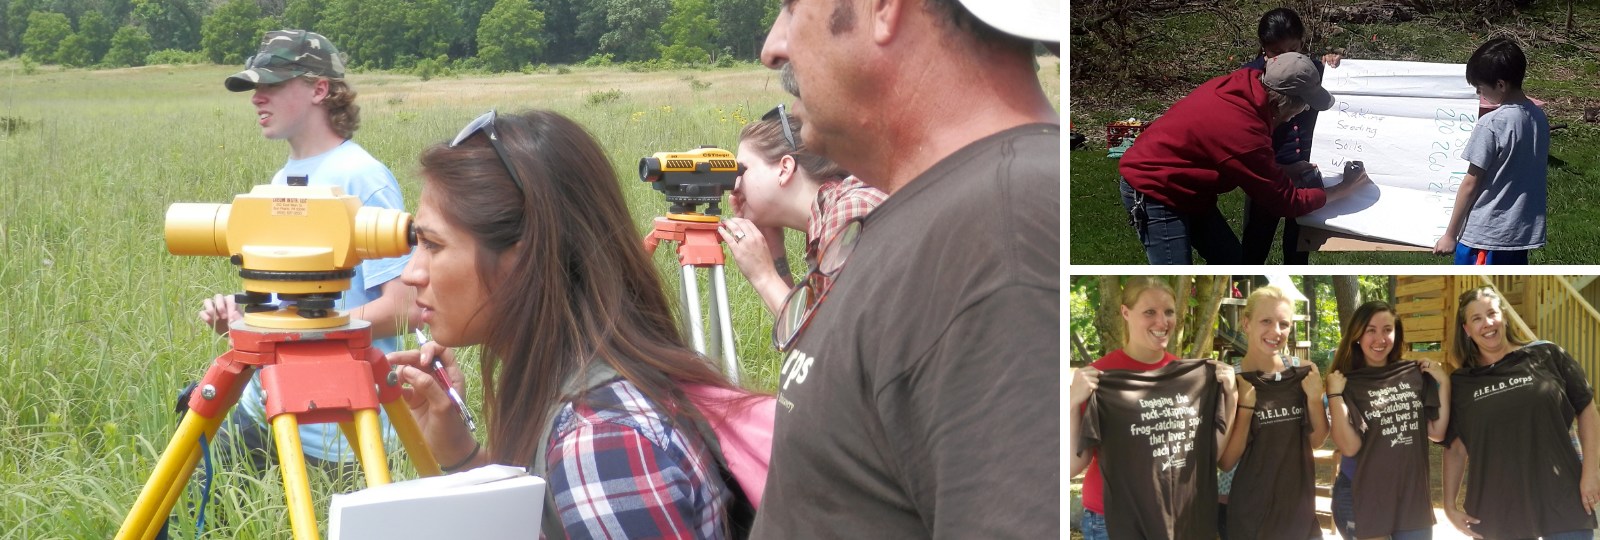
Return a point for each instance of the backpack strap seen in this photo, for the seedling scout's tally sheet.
(597, 374)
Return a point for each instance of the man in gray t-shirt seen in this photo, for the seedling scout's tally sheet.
(922, 398)
(1500, 207)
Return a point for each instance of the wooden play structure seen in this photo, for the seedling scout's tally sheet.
(1559, 309)
(1229, 344)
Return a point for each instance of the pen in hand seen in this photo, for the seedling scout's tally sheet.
(438, 369)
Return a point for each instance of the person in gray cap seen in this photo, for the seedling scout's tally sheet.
(301, 97)
(1215, 140)
(921, 397)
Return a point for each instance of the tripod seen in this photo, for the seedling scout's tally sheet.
(699, 246)
(314, 370)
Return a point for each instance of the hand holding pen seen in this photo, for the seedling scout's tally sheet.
(444, 378)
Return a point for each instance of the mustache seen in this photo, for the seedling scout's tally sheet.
(787, 79)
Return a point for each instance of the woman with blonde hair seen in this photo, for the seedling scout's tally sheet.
(1512, 406)
(1280, 420)
(1379, 402)
(1149, 310)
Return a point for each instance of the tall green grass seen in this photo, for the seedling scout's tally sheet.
(99, 327)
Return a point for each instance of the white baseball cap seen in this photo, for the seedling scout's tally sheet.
(1031, 19)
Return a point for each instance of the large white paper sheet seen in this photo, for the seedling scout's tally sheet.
(1408, 123)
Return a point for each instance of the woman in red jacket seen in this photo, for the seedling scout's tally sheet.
(1215, 140)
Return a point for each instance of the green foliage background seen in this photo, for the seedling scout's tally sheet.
(397, 34)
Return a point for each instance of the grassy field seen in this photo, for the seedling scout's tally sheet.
(100, 328)
(1193, 47)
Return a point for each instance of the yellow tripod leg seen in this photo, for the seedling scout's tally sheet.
(348, 428)
(171, 498)
(369, 447)
(411, 438)
(211, 426)
(296, 488)
(171, 473)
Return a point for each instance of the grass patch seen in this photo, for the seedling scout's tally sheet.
(100, 329)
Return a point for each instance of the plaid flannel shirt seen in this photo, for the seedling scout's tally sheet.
(619, 470)
(837, 203)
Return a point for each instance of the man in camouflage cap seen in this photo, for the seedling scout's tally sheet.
(286, 54)
(301, 97)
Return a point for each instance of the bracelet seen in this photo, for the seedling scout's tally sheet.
(1247, 407)
(453, 468)
(1338, 395)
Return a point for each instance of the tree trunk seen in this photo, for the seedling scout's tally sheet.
(1569, 15)
(1308, 286)
(1184, 287)
(1347, 295)
(1084, 358)
(1107, 316)
(1211, 289)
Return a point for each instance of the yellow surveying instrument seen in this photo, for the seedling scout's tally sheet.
(317, 364)
(688, 180)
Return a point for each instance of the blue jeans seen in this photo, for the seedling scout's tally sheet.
(1093, 526)
(1344, 503)
(1260, 225)
(1168, 236)
(1470, 256)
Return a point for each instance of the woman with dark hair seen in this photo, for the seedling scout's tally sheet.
(784, 186)
(1281, 31)
(525, 247)
(1379, 402)
(1511, 415)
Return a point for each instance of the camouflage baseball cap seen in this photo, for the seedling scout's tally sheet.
(286, 54)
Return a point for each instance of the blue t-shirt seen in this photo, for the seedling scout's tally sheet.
(351, 168)
(1511, 144)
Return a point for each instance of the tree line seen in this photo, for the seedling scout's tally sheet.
(494, 35)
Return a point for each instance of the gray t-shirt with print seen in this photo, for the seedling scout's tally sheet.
(1511, 144)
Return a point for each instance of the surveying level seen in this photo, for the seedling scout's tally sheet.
(317, 365)
(690, 179)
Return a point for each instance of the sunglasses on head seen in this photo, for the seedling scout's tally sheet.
(486, 123)
(782, 114)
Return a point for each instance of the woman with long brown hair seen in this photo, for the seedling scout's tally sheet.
(786, 186)
(1385, 409)
(525, 247)
(1512, 408)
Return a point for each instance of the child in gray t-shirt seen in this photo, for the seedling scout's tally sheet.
(1500, 207)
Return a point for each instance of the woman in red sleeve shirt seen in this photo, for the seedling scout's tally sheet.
(1149, 309)
(1215, 140)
